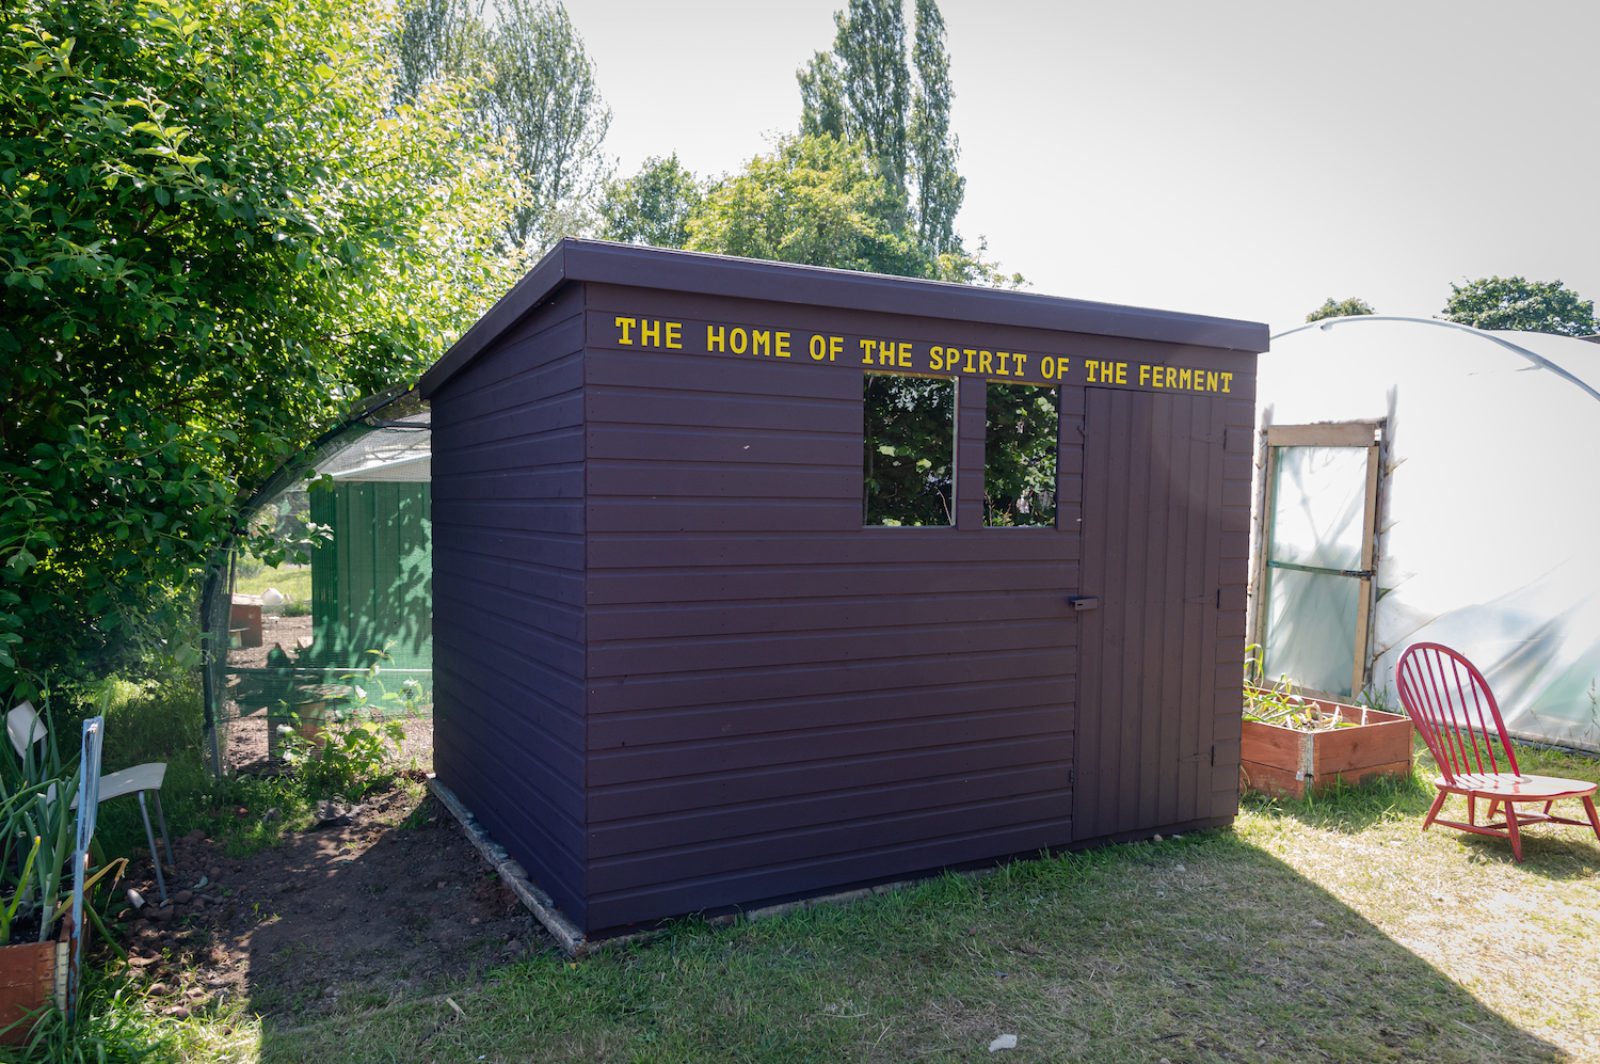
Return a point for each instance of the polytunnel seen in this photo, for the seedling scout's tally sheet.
(1423, 480)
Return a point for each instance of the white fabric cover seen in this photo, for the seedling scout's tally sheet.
(1489, 519)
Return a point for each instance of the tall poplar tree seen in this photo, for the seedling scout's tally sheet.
(536, 92)
(933, 149)
(864, 90)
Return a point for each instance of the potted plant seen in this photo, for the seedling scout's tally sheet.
(37, 842)
(1291, 743)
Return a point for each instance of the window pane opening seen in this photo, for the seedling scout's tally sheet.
(908, 450)
(1021, 440)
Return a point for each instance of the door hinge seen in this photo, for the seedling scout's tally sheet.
(1213, 755)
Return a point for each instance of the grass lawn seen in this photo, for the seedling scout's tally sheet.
(293, 580)
(1314, 931)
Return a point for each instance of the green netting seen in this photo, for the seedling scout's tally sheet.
(355, 621)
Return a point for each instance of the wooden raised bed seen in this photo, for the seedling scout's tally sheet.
(1284, 762)
(31, 975)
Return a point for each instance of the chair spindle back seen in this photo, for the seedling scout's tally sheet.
(1450, 703)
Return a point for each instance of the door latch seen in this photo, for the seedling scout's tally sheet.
(1083, 602)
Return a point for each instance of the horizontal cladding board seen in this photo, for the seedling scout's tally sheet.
(932, 556)
(717, 514)
(552, 447)
(474, 551)
(535, 400)
(510, 486)
(458, 518)
(798, 648)
(557, 812)
(844, 706)
(551, 413)
(736, 686)
(776, 412)
(501, 637)
(728, 857)
(679, 761)
(650, 832)
(708, 479)
(546, 338)
(471, 569)
(544, 854)
(874, 863)
(627, 801)
(678, 443)
(782, 611)
(676, 371)
(497, 711)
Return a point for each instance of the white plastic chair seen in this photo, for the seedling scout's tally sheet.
(25, 729)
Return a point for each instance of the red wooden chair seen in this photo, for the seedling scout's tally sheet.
(1453, 708)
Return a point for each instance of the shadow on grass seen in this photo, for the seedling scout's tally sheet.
(1199, 949)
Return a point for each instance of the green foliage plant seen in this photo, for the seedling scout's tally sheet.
(1279, 705)
(653, 206)
(217, 231)
(357, 748)
(1343, 308)
(1520, 304)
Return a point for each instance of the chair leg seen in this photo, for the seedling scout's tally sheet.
(1594, 820)
(1516, 834)
(1438, 803)
(161, 818)
(155, 857)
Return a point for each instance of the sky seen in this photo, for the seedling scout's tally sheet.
(1225, 157)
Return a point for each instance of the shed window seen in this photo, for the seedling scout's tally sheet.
(1021, 438)
(909, 435)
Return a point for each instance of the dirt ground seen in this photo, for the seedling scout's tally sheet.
(388, 899)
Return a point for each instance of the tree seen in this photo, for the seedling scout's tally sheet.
(1517, 303)
(1345, 308)
(863, 90)
(938, 188)
(814, 200)
(216, 233)
(535, 90)
(653, 206)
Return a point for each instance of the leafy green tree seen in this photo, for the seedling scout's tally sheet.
(1344, 308)
(1517, 303)
(908, 444)
(653, 206)
(814, 200)
(535, 91)
(933, 148)
(216, 232)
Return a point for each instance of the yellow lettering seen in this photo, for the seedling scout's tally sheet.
(760, 342)
(986, 362)
(818, 345)
(935, 358)
(1022, 363)
(1186, 378)
(903, 354)
(716, 338)
(1144, 375)
(626, 325)
(867, 348)
(781, 347)
(738, 341)
(1211, 380)
(971, 353)
(1122, 373)
(675, 335)
(835, 347)
(650, 333)
(1227, 378)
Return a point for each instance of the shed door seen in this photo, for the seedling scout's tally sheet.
(1152, 527)
(1316, 565)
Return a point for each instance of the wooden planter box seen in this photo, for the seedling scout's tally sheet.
(1284, 762)
(31, 975)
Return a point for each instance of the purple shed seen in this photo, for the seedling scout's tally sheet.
(683, 664)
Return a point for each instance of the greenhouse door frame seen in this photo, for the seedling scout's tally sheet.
(1363, 434)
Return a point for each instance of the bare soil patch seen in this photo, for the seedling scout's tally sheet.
(387, 899)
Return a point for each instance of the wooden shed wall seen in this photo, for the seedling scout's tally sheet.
(781, 700)
(509, 658)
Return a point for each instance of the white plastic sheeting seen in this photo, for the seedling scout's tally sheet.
(1489, 508)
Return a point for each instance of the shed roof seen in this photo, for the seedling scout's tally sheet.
(574, 260)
